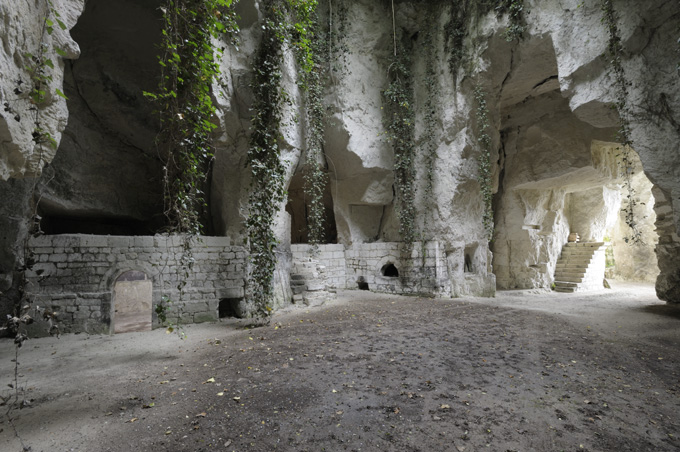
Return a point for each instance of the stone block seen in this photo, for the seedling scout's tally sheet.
(119, 241)
(96, 241)
(57, 258)
(201, 317)
(230, 292)
(313, 286)
(144, 241)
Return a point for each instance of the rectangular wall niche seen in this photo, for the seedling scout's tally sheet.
(132, 295)
(470, 258)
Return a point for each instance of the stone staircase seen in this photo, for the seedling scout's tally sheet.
(309, 284)
(580, 267)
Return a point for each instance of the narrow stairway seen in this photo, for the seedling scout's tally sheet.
(580, 267)
(309, 284)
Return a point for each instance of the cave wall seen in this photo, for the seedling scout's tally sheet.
(578, 41)
(650, 65)
(554, 163)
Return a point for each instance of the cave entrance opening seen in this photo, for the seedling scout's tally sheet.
(561, 172)
(106, 177)
(297, 208)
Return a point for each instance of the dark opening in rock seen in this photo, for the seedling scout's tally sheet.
(361, 282)
(230, 307)
(389, 270)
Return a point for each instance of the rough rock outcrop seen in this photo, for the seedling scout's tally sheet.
(555, 162)
(23, 36)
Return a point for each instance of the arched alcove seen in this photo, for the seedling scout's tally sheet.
(389, 270)
(132, 302)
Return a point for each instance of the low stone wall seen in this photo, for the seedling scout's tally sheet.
(421, 270)
(331, 256)
(74, 275)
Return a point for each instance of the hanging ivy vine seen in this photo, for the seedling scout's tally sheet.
(308, 46)
(31, 98)
(189, 66)
(463, 13)
(399, 117)
(616, 54)
(484, 161)
(427, 142)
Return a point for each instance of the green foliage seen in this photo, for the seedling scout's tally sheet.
(462, 15)
(616, 54)
(188, 62)
(264, 157)
(427, 141)
(484, 161)
(514, 9)
(312, 70)
(399, 118)
(292, 22)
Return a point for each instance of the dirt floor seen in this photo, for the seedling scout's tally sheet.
(369, 372)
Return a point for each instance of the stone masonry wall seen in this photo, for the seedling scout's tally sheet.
(74, 276)
(427, 269)
(422, 271)
(331, 256)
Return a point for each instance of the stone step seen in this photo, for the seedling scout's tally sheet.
(584, 245)
(580, 262)
(569, 267)
(566, 284)
(578, 252)
(573, 279)
(565, 289)
(572, 273)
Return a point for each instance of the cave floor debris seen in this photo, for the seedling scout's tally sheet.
(369, 372)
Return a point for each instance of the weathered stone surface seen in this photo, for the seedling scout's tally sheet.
(555, 163)
(22, 25)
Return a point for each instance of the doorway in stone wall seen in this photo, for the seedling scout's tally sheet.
(132, 302)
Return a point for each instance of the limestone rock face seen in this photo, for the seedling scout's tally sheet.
(22, 34)
(555, 161)
(578, 42)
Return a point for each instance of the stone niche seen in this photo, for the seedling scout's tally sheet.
(132, 302)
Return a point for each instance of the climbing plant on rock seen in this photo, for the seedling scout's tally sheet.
(427, 141)
(615, 54)
(308, 46)
(188, 60)
(189, 66)
(264, 157)
(484, 161)
(399, 116)
(464, 13)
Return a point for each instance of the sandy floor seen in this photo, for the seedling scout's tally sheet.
(523, 371)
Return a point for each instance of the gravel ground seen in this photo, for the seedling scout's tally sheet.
(368, 372)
